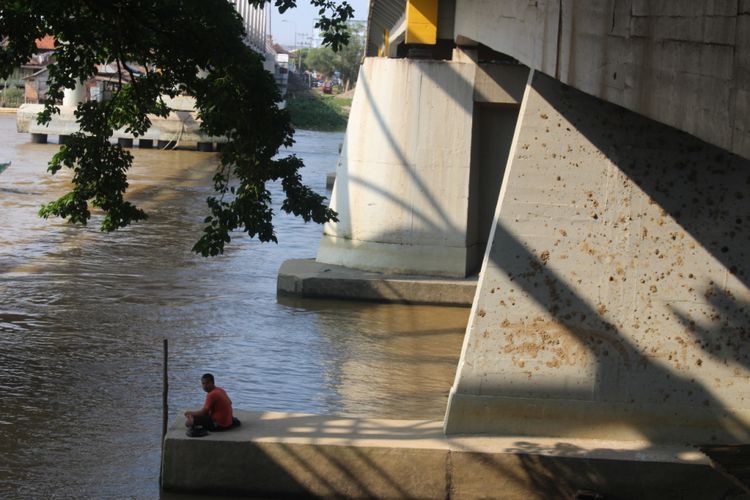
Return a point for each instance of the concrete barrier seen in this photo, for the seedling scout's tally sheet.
(300, 455)
(179, 127)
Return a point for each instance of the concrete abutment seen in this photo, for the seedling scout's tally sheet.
(614, 299)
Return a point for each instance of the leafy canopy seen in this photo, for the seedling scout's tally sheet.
(346, 60)
(172, 39)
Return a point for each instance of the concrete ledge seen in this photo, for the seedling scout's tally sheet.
(308, 278)
(420, 259)
(569, 418)
(182, 126)
(299, 455)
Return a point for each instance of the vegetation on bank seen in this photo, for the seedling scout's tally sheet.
(11, 97)
(324, 113)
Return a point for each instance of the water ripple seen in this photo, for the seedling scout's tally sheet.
(83, 315)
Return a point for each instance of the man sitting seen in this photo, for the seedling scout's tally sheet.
(216, 414)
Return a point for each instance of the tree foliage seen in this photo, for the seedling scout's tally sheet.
(346, 60)
(173, 40)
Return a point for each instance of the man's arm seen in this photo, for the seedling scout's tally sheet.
(197, 413)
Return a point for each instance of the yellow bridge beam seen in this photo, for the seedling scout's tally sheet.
(421, 21)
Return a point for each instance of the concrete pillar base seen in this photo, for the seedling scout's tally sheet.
(145, 143)
(125, 142)
(206, 147)
(393, 258)
(307, 278)
(39, 138)
(298, 455)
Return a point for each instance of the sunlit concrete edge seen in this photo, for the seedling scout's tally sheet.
(308, 278)
(295, 455)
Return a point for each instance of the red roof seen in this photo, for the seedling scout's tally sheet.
(46, 43)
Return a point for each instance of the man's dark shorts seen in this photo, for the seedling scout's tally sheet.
(205, 422)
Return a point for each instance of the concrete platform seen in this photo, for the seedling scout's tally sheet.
(179, 126)
(308, 278)
(299, 455)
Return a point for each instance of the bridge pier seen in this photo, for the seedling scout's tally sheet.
(410, 191)
(614, 301)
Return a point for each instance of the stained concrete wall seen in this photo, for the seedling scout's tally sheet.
(282, 455)
(686, 64)
(614, 301)
(403, 182)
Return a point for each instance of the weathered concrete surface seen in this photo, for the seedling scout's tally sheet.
(686, 64)
(179, 125)
(403, 184)
(614, 301)
(282, 454)
(308, 278)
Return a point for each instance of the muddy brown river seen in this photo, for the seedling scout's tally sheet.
(83, 315)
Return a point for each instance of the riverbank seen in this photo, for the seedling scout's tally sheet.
(312, 110)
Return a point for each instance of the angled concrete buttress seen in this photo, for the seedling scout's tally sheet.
(613, 300)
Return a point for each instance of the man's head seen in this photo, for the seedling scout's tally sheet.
(207, 382)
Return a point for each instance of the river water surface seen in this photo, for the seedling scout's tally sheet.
(83, 315)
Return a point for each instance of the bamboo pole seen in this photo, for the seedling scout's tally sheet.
(165, 392)
(164, 406)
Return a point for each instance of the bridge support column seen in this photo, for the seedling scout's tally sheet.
(72, 97)
(402, 184)
(614, 300)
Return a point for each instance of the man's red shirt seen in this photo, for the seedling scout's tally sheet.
(219, 407)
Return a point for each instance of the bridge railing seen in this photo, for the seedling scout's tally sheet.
(256, 23)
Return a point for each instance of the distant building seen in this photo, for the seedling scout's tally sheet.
(33, 75)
